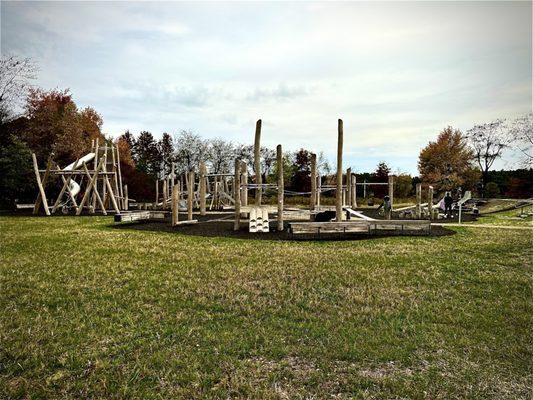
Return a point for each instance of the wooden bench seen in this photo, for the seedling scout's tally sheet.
(361, 226)
(132, 216)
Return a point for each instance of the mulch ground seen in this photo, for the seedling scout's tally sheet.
(221, 225)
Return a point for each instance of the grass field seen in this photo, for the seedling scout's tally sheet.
(89, 311)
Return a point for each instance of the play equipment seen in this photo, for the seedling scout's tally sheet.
(467, 196)
(102, 184)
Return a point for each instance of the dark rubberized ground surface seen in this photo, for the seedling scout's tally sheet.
(221, 225)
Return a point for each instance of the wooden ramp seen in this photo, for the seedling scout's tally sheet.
(371, 227)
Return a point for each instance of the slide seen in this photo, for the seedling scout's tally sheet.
(74, 188)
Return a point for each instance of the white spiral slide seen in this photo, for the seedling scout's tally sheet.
(74, 188)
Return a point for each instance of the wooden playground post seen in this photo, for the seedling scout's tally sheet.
(354, 191)
(95, 165)
(391, 195)
(104, 169)
(418, 200)
(165, 193)
(257, 163)
(126, 197)
(42, 194)
(156, 191)
(338, 203)
(90, 187)
(175, 203)
(203, 173)
(349, 187)
(237, 195)
(312, 200)
(244, 183)
(281, 189)
(190, 195)
(319, 191)
(430, 202)
(122, 189)
(111, 194)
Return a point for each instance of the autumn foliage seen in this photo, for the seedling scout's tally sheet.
(447, 163)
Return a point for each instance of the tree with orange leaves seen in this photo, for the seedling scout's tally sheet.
(447, 163)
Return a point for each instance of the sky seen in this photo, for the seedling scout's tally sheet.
(397, 73)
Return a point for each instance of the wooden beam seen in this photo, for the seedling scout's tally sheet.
(354, 190)
(190, 195)
(98, 198)
(349, 187)
(237, 194)
(244, 183)
(312, 199)
(42, 195)
(418, 200)
(175, 204)
(257, 163)
(281, 189)
(126, 200)
(203, 173)
(90, 186)
(112, 195)
(338, 202)
(430, 202)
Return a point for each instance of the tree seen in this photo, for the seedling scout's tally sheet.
(403, 186)
(55, 125)
(301, 179)
(488, 142)
(166, 153)
(447, 162)
(147, 153)
(221, 155)
(521, 131)
(15, 77)
(16, 175)
(190, 150)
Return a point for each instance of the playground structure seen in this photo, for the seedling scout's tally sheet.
(96, 176)
(204, 194)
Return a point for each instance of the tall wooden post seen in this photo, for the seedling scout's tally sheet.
(156, 191)
(41, 186)
(95, 164)
(244, 183)
(121, 188)
(190, 195)
(418, 200)
(391, 195)
(126, 200)
(257, 163)
(349, 187)
(175, 204)
(430, 202)
(237, 196)
(338, 203)
(203, 173)
(312, 200)
(319, 191)
(165, 192)
(354, 191)
(281, 190)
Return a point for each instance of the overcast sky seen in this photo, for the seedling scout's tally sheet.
(396, 73)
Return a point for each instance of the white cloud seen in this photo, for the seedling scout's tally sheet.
(396, 73)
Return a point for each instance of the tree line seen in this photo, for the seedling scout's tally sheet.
(50, 122)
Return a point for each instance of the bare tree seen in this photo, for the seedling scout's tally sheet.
(190, 149)
(488, 142)
(15, 77)
(221, 155)
(522, 132)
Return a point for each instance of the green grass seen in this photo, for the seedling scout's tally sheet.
(89, 311)
(510, 217)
